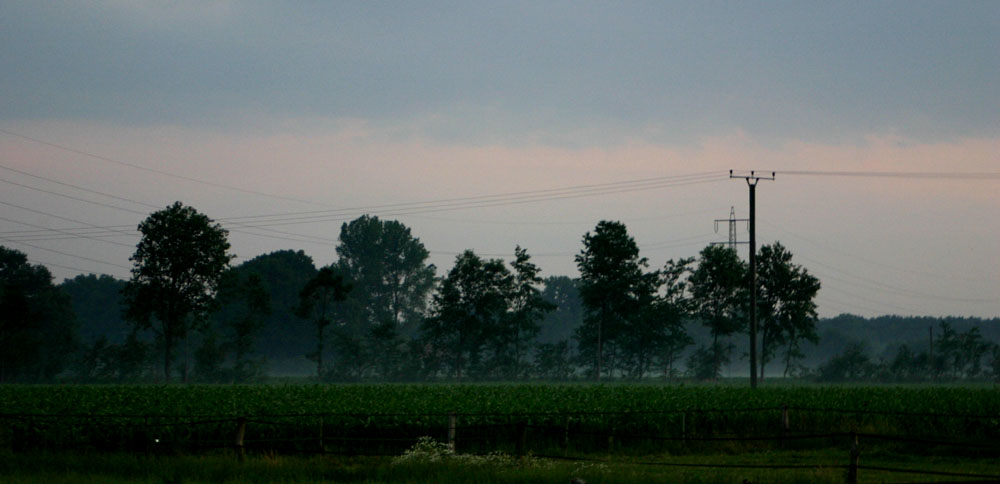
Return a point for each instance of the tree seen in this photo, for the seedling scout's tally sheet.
(176, 270)
(527, 309)
(672, 310)
(391, 280)
(613, 288)
(37, 326)
(561, 324)
(786, 294)
(97, 303)
(388, 269)
(316, 302)
(552, 360)
(851, 365)
(961, 353)
(283, 274)
(468, 311)
(719, 296)
(246, 306)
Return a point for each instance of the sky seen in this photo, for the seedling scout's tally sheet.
(488, 125)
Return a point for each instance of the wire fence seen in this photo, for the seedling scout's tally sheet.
(570, 436)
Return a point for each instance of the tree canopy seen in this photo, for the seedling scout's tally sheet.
(37, 327)
(177, 266)
(613, 288)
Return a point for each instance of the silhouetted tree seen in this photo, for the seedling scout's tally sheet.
(718, 291)
(387, 266)
(561, 324)
(247, 304)
(852, 365)
(176, 270)
(553, 360)
(37, 333)
(526, 309)
(316, 302)
(97, 303)
(613, 289)
(283, 274)
(786, 294)
(672, 310)
(468, 311)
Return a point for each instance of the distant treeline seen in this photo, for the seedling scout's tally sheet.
(381, 313)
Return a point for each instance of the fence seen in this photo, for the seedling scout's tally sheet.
(573, 436)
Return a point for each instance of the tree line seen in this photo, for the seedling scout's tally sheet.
(380, 312)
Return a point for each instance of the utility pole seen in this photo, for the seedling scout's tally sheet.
(752, 180)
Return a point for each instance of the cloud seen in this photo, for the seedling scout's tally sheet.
(520, 73)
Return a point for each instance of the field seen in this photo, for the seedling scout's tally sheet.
(805, 431)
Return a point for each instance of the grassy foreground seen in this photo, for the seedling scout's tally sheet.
(434, 463)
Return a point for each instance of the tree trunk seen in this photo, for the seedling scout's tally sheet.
(168, 344)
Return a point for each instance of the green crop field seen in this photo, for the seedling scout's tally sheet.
(584, 417)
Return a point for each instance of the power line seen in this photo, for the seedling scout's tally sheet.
(48, 264)
(153, 170)
(76, 187)
(261, 222)
(950, 175)
(50, 192)
(67, 254)
(901, 291)
(66, 219)
(866, 260)
(465, 203)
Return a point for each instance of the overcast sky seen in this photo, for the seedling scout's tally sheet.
(535, 119)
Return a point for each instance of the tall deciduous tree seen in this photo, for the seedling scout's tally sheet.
(317, 301)
(283, 273)
(786, 294)
(247, 304)
(469, 309)
(673, 309)
(176, 270)
(388, 269)
(612, 288)
(392, 280)
(526, 310)
(718, 290)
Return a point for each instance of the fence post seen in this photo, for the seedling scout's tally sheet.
(147, 435)
(241, 429)
(784, 422)
(6, 437)
(522, 438)
(322, 448)
(452, 422)
(566, 436)
(852, 469)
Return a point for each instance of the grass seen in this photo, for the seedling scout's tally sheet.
(433, 462)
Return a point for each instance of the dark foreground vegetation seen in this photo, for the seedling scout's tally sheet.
(497, 433)
(439, 466)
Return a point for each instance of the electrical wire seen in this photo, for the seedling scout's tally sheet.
(949, 175)
(452, 204)
(67, 254)
(153, 170)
